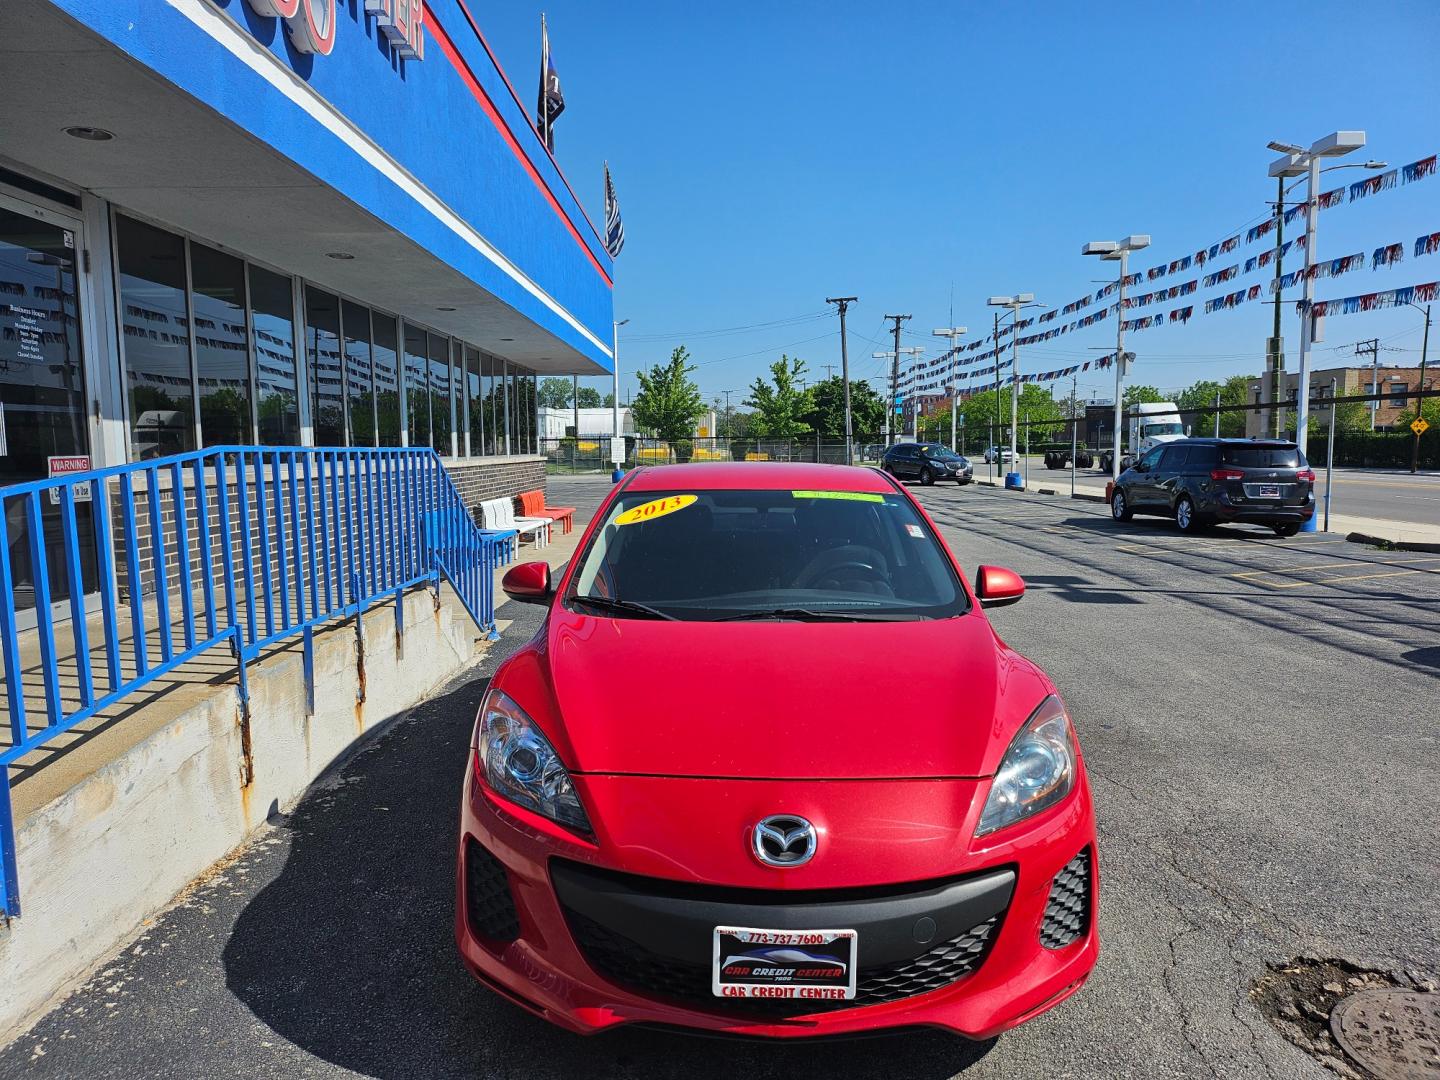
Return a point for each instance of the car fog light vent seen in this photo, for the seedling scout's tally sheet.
(1067, 913)
(488, 904)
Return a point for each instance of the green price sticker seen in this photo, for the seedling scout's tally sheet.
(848, 496)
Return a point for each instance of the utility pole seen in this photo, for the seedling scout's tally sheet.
(1276, 344)
(843, 302)
(894, 374)
(1371, 348)
(1420, 401)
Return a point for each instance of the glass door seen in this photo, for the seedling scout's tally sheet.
(44, 426)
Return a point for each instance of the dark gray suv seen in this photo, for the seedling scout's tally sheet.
(1202, 481)
(927, 462)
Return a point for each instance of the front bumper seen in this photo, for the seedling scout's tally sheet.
(594, 936)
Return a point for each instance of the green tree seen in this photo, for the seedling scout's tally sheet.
(827, 408)
(556, 393)
(1200, 397)
(1142, 395)
(1429, 409)
(668, 401)
(1039, 404)
(589, 398)
(780, 407)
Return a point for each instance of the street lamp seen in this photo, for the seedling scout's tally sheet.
(1296, 162)
(1014, 303)
(1118, 251)
(1419, 401)
(953, 333)
(1275, 347)
(617, 442)
(895, 396)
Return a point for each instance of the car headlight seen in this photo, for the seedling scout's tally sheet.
(1037, 771)
(519, 764)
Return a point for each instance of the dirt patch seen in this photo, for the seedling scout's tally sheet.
(1298, 995)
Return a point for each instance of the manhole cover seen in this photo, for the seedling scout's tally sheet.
(1393, 1033)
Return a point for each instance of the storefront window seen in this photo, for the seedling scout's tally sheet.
(475, 401)
(494, 401)
(359, 383)
(441, 417)
(156, 328)
(272, 321)
(42, 391)
(322, 352)
(417, 392)
(387, 380)
(222, 346)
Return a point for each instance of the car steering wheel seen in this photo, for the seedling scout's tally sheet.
(859, 561)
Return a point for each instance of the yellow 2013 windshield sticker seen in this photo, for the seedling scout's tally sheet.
(656, 508)
(850, 496)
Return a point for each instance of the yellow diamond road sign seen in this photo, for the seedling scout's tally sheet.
(1419, 425)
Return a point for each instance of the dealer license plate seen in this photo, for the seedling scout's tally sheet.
(815, 965)
(1269, 491)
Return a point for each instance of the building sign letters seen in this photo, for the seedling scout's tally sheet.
(312, 23)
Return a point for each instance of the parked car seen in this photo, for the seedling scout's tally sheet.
(927, 462)
(1202, 481)
(997, 454)
(690, 797)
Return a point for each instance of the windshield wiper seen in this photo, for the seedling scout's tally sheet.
(812, 615)
(630, 607)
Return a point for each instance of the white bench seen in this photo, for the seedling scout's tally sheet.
(500, 514)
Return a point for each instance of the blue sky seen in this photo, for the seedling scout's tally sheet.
(769, 155)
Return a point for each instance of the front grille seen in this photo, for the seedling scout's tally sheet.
(488, 904)
(629, 963)
(1067, 912)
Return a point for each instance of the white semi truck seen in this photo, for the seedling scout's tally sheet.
(1149, 425)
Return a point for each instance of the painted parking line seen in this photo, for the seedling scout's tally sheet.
(1396, 569)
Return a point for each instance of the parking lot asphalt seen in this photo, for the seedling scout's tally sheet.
(1258, 719)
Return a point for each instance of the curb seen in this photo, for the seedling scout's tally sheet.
(1392, 545)
(1088, 498)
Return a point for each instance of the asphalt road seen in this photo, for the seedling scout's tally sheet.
(1387, 494)
(1258, 718)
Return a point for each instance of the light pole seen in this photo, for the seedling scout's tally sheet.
(1112, 251)
(1419, 401)
(617, 442)
(843, 302)
(953, 333)
(1276, 346)
(1296, 162)
(890, 406)
(1015, 304)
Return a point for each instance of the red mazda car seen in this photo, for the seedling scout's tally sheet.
(766, 769)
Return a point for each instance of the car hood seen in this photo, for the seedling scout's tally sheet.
(776, 700)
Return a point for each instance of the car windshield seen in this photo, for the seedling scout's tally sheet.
(938, 453)
(805, 555)
(1262, 457)
(1164, 429)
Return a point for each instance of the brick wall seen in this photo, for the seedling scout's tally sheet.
(481, 480)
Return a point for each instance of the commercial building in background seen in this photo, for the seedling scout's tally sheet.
(1349, 381)
(279, 222)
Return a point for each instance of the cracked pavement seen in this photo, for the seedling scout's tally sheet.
(1262, 744)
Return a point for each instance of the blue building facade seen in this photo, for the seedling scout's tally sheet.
(280, 222)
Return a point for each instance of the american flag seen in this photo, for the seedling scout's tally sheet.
(552, 99)
(614, 227)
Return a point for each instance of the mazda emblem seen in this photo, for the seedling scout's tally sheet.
(784, 840)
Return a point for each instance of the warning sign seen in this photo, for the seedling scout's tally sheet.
(64, 466)
(1419, 425)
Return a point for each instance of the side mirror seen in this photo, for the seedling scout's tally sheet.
(529, 583)
(997, 587)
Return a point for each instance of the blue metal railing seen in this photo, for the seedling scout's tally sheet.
(236, 545)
